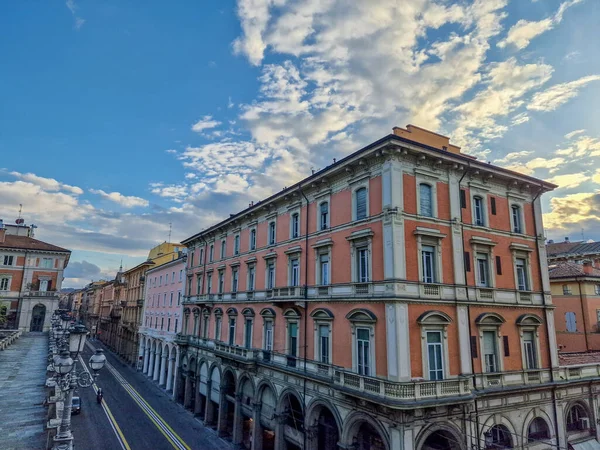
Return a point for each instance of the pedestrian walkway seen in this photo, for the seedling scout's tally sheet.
(22, 393)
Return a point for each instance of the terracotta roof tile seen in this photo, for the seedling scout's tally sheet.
(573, 359)
(565, 269)
(27, 243)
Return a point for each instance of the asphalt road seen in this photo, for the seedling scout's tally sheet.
(137, 410)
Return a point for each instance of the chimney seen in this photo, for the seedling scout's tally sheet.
(587, 267)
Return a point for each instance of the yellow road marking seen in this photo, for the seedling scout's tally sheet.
(114, 422)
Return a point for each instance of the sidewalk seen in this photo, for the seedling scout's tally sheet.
(22, 377)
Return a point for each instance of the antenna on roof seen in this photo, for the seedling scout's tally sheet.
(170, 228)
(20, 210)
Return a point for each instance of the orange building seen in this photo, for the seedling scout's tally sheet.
(576, 295)
(31, 275)
(396, 299)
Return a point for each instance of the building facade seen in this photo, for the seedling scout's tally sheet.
(121, 321)
(161, 322)
(396, 299)
(31, 276)
(576, 295)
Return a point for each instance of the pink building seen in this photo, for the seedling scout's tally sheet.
(162, 320)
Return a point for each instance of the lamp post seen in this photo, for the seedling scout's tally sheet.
(68, 378)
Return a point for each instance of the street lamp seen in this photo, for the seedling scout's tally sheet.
(68, 378)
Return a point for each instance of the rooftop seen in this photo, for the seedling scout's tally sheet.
(566, 269)
(574, 359)
(28, 243)
(566, 249)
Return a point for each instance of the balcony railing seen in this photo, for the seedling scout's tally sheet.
(376, 289)
(42, 294)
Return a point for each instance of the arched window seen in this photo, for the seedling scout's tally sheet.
(516, 218)
(538, 430)
(425, 200)
(577, 419)
(361, 203)
(498, 437)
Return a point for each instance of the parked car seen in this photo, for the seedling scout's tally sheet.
(76, 408)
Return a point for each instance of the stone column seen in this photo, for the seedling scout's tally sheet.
(197, 402)
(176, 379)
(238, 423)
(187, 396)
(257, 431)
(222, 420)
(146, 359)
(209, 414)
(151, 364)
(279, 430)
(156, 365)
(170, 374)
(162, 370)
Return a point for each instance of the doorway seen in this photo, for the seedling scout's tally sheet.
(37, 318)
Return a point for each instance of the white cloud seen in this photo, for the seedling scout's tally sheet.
(555, 96)
(48, 184)
(175, 192)
(73, 8)
(207, 122)
(530, 166)
(127, 201)
(514, 156)
(573, 133)
(573, 211)
(521, 33)
(568, 181)
(519, 119)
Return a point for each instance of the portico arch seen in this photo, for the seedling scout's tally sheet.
(365, 433)
(440, 436)
(324, 425)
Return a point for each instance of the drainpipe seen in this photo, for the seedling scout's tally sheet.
(305, 313)
(584, 316)
(462, 234)
(541, 271)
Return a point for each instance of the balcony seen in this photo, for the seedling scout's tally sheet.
(42, 294)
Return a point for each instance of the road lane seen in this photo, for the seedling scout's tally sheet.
(147, 416)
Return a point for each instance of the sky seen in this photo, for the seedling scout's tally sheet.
(121, 120)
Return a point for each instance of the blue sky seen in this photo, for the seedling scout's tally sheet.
(118, 119)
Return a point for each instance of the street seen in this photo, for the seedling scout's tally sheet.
(136, 414)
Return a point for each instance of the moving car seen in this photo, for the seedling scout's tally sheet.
(76, 407)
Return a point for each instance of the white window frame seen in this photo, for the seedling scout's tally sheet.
(251, 280)
(7, 282)
(223, 248)
(484, 208)
(291, 259)
(248, 315)
(211, 252)
(491, 322)
(47, 266)
(209, 282)
(430, 238)
(322, 318)
(432, 183)
(434, 321)
(235, 278)
(521, 218)
(268, 318)
(272, 224)
(328, 218)
(355, 188)
(357, 242)
(218, 326)
(525, 271)
(231, 316)
(294, 215)
(322, 250)
(221, 281)
(252, 239)
(292, 317)
(268, 262)
(530, 323)
(236, 245)
(10, 258)
(363, 319)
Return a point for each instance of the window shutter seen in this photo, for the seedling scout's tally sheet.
(493, 205)
(506, 348)
(467, 261)
(498, 265)
(361, 203)
(474, 346)
(463, 198)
